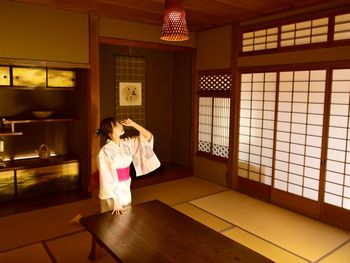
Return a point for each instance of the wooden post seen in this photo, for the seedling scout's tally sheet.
(94, 91)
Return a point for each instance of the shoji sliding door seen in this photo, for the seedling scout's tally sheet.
(256, 132)
(337, 179)
(299, 139)
(294, 141)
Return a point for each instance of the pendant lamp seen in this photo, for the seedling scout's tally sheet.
(174, 24)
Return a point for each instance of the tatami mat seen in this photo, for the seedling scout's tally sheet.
(30, 254)
(176, 191)
(276, 233)
(263, 247)
(41, 224)
(75, 248)
(300, 235)
(341, 255)
(203, 217)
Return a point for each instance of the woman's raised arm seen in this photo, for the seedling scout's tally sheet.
(144, 132)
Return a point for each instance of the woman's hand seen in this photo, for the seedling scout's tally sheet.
(118, 211)
(117, 208)
(145, 133)
(128, 122)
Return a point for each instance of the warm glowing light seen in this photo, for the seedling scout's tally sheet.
(175, 16)
(28, 156)
(174, 23)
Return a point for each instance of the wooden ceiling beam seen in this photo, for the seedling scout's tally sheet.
(200, 14)
(258, 6)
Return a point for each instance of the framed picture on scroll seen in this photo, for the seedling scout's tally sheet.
(130, 93)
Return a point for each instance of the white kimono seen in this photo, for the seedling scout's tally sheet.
(112, 157)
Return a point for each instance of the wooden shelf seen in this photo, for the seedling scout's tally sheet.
(36, 88)
(17, 121)
(10, 133)
(12, 122)
(41, 63)
(37, 162)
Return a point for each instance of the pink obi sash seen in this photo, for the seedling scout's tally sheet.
(123, 174)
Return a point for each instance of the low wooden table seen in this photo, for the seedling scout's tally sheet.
(155, 232)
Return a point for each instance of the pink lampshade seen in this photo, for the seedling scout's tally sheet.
(174, 24)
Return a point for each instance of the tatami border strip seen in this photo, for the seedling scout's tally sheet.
(284, 249)
(332, 251)
(48, 251)
(43, 240)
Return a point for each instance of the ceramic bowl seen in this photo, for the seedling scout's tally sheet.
(42, 113)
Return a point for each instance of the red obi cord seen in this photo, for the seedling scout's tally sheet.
(123, 174)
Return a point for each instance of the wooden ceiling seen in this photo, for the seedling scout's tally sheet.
(200, 14)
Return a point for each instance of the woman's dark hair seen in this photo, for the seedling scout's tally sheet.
(106, 127)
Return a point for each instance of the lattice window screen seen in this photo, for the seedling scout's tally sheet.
(205, 125)
(337, 190)
(214, 114)
(256, 128)
(301, 33)
(306, 32)
(215, 82)
(221, 127)
(260, 39)
(342, 27)
(214, 126)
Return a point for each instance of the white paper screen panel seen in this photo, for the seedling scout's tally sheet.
(342, 27)
(256, 133)
(260, 40)
(306, 32)
(214, 126)
(337, 188)
(298, 138)
(205, 123)
(221, 127)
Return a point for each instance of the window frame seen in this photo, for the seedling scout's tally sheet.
(303, 18)
(209, 93)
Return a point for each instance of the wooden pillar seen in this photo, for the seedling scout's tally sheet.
(94, 91)
(232, 163)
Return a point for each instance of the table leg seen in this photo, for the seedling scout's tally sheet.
(92, 255)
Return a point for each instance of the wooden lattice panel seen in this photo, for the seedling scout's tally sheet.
(215, 82)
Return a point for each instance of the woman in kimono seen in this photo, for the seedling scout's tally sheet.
(114, 161)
